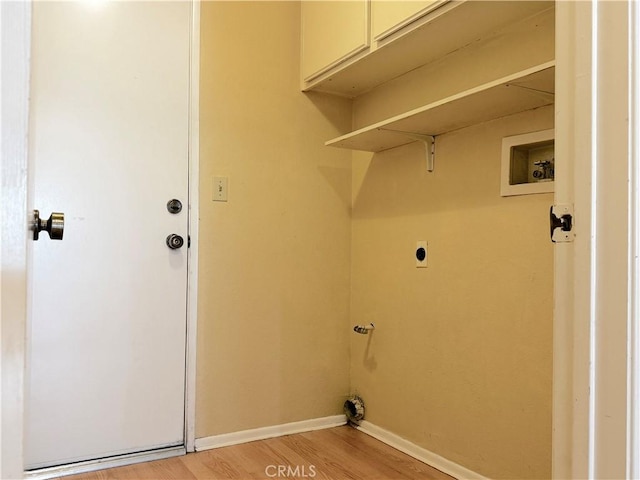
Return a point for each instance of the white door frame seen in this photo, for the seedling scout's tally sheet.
(595, 295)
(194, 207)
(572, 277)
(15, 30)
(15, 33)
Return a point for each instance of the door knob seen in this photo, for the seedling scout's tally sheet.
(54, 226)
(174, 241)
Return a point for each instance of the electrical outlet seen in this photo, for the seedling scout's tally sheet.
(421, 254)
(220, 189)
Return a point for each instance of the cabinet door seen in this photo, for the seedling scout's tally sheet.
(332, 32)
(389, 16)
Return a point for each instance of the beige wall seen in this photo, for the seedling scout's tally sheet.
(460, 362)
(274, 263)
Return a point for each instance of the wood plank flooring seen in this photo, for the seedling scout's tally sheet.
(341, 453)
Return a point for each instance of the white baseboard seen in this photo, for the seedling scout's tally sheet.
(436, 461)
(419, 453)
(244, 436)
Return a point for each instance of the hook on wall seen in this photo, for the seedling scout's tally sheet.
(364, 329)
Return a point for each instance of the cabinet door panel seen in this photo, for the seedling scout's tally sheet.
(388, 16)
(332, 32)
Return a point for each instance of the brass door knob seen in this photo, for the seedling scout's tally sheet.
(54, 226)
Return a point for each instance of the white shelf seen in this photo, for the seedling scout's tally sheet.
(440, 32)
(525, 90)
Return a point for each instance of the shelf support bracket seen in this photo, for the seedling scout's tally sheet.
(548, 96)
(429, 142)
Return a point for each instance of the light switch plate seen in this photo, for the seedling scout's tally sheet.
(220, 189)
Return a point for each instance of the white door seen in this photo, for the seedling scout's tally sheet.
(109, 145)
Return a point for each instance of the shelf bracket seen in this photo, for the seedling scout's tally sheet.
(548, 96)
(429, 142)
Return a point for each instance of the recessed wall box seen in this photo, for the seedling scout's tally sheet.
(528, 164)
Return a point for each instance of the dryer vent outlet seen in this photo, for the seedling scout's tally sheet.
(354, 409)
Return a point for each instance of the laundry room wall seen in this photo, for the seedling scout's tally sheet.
(274, 266)
(314, 240)
(460, 362)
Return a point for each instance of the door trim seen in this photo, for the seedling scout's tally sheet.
(594, 319)
(15, 30)
(194, 206)
(572, 261)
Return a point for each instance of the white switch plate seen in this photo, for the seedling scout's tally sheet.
(421, 263)
(220, 189)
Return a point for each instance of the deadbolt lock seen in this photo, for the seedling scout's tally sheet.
(54, 226)
(174, 206)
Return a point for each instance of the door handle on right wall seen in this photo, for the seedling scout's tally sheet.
(561, 223)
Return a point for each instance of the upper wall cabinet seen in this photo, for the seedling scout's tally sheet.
(332, 33)
(389, 16)
(400, 36)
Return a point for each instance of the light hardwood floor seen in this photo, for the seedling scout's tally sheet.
(341, 453)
